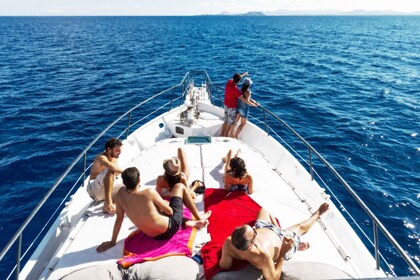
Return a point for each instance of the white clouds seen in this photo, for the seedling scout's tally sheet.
(193, 7)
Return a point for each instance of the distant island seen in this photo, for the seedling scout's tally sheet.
(320, 13)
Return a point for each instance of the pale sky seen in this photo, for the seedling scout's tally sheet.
(193, 7)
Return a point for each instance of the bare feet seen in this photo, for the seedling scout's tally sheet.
(303, 246)
(322, 208)
(238, 153)
(196, 224)
(109, 208)
(206, 215)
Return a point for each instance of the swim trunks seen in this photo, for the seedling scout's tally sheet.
(230, 115)
(96, 187)
(281, 233)
(175, 220)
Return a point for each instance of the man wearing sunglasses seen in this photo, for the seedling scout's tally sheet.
(265, 245)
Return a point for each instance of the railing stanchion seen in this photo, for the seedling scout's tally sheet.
(84, 168)
(265, 122)
(375, 237)
(172, 98)
(128, 125)
(311, 169)
(19, 248)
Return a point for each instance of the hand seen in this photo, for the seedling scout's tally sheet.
(245, 74)
(105, 246)
(286, 246)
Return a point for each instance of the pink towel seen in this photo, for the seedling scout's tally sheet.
(139, 247)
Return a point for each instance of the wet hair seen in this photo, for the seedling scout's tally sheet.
(172, 180)
(131, 177)
(239, 240)
(112, 143)
(237, 77)
(237, 166)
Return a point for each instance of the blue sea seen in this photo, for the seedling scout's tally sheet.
(349, 85)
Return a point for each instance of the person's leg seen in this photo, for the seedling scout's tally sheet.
(181, 190)
(227, 159)
(304, 226)
(263, 215)
(240, 127)
(184, 165)
(227, 131)
(223, 128)
(109, 206)
(232, 134)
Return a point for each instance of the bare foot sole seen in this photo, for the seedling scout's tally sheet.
(238, 153)
(303, 246)
(109, 208)
(196, 224)
(206, 215)
(323, 208)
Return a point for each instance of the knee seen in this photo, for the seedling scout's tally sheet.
(179, 187)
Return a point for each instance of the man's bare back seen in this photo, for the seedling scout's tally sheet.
(142, 208)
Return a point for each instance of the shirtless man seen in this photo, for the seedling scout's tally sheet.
(103, 172)
(175, 171)
(265, 245)
(149, 212)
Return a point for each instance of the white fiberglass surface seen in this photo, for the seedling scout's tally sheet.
(271, 191)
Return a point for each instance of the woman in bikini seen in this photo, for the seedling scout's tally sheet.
(236, 177)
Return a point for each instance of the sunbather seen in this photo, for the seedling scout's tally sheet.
(176, 170)
(236, 177)
(265, 245)
(149, 212)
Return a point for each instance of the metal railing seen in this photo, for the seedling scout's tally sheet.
(178, 92)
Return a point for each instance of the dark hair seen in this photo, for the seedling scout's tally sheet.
(238, 238)
(237, 77)
(112, 143)
(131, 177)
(244, 88)
(172, 180)
(237, 166)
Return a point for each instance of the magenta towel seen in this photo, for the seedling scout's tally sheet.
(139, 247)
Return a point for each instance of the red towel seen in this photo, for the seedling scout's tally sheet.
(138, 247)
(229, 210)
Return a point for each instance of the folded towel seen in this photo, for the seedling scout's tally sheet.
(138, 247)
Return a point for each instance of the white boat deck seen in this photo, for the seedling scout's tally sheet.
(271, 191)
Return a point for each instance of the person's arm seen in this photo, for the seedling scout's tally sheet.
(250, 184)
(244, 74)
(110, 165)
(117, 226)
(285, 247)
(159, 187)
(161, 204)
(226, 259)
(247, 99)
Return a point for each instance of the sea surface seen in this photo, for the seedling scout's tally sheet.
(349, 85)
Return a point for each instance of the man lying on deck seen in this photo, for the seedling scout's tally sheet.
(265, 245)
(149, 212)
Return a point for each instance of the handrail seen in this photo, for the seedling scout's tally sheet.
(377, 223)
(19, 232)
(183, 85)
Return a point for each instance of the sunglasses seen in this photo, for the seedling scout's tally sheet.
(253, 238)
